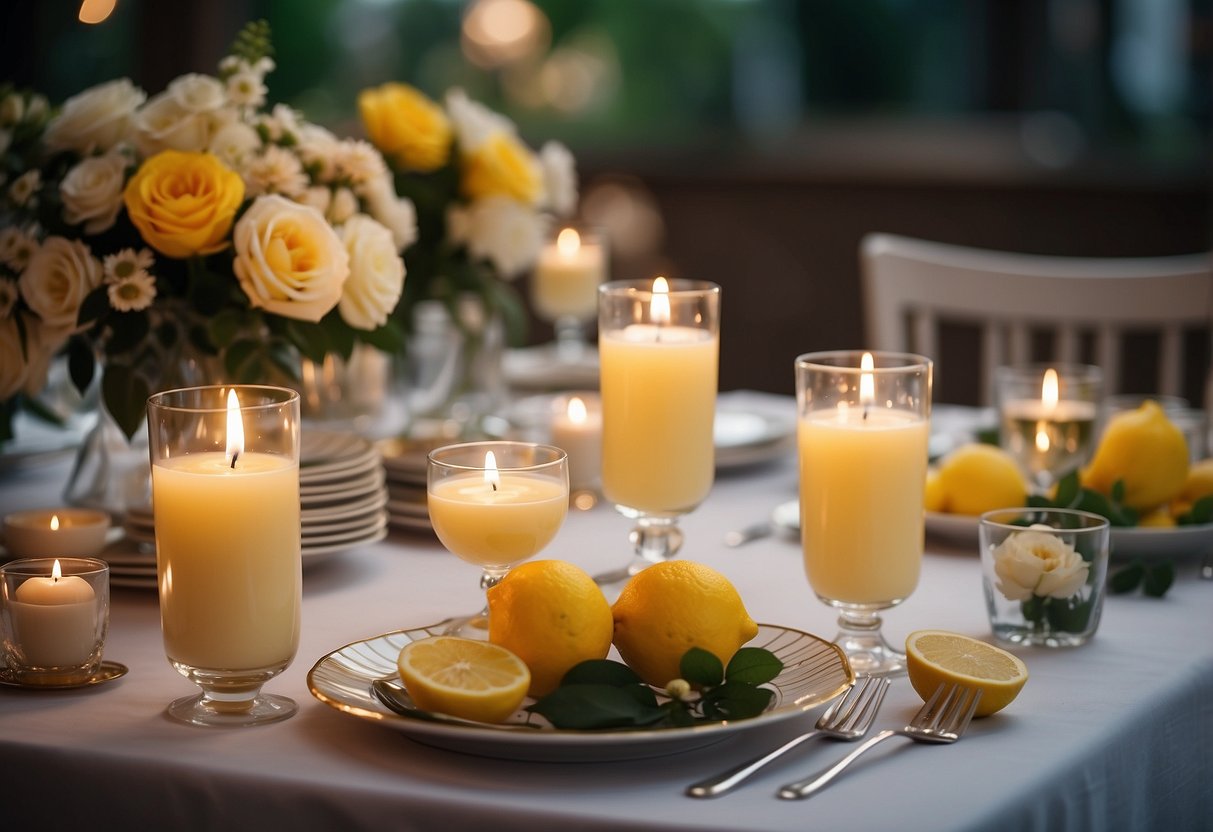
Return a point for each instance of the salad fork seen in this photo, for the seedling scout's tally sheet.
(847, 719)
(942, 719)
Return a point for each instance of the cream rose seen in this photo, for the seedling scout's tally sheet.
(186, 116)
(13, 369)
(1037, 563)
(501, 230)
(289, 260)
(92, 192)
(376, 273)
(58, 278)
(96, 119)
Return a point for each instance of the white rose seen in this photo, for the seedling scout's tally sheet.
(96, 119)
(559, 177)
(399, 215)
(289, 260)
(92, 192)
(473, 122)
(501, 230)
(1038, 563)
(183, 117)
(376, 273)
(13, 369)
(198, 93)
(58, 278)
(235, 144)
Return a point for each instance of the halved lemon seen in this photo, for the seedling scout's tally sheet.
(465, 678)
(934, 657)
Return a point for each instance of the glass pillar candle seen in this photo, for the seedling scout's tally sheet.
(862, 437)
(1048, 417)
(564, 286)
(659, 351)
(225, 495)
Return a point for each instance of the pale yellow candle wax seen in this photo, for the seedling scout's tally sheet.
(55, 620)
(497, 526)
(567, 275)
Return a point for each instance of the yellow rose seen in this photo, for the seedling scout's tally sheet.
(503, 166)
(406, 125)
(184, 203)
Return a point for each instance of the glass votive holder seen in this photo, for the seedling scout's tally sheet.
(1048, 416)
(54, 614)
(47, 532)
(1043, 574)
(576, 426)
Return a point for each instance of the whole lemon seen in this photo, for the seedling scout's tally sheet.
(976, 478)
(1199, 483)
(552, 615)
(1146, 451)
(933, 496)
(671, 607)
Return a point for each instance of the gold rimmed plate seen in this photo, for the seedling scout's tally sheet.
(815, 671)
(107, 672)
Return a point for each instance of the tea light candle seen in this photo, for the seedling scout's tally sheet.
(55, 619)
(577, 428)
(567, 275)
(73, 532)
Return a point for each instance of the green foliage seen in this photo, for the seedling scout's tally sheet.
(1071, 494)
(253, 42)
(1154, 579)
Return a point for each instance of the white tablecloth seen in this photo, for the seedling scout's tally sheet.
(1115, 735)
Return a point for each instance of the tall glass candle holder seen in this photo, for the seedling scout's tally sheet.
(225, 494)
(658, 349)
(862, 434)
(1048, 417)
(564, 286)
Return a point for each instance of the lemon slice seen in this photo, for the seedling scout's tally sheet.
(465, 678)
(935, 657)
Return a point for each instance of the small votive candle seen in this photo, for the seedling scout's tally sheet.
(577, 428)
(49, 532)
(54, 614)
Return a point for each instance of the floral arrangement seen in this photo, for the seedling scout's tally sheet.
(484, 199)
(198, 225)
(1046, 575)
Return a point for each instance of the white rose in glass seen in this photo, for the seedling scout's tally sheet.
(58, 278)
(96, 119)
(289, 260)
(13, 369)
(376, 274)
(92, 192)
(1038, 563)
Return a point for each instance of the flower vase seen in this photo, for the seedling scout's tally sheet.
(350, 394)
(452, 376)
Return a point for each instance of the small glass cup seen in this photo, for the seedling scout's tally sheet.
(1049, 414)
(54, 614)
(564, 286)
(1043, 574)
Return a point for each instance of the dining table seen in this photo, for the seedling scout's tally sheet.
(1115, 734)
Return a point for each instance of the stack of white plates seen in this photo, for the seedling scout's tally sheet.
(404, 462)
(133, 560)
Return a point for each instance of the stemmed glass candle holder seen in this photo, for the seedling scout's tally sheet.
(225, 493)
(658, 349)
(495, 504)
(564, 286)
(1049, 416)
(862, 434)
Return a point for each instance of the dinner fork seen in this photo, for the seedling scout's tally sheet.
(942, 719)
(847, 719)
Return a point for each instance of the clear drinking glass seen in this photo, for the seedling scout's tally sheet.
(495, 504)
(1043, 574)
(658, 350)
(564, 286)
(1049, 415)
(862, 434)
(225, 494)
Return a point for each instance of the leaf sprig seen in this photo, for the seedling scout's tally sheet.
(601, 694)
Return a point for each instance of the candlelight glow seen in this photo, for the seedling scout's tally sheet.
(659, 306)
(56, 571)
(235, 429)
(568, 242)
(1042, 437)
(1049, 390)
(96, 11)
(576, 411)
(491, 475)
(867, 384)
(54, 522)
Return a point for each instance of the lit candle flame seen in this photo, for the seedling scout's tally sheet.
(1042, 437)
(568, 242)
(235, 428)
(576, 411)
(491, 475)
(867, 382)
(96, 11)
(659, 306)
(1049, 390)
(54, 522)
(56, 571)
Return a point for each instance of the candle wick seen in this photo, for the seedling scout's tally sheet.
(865, 413)
(234, 455)
(494, 485)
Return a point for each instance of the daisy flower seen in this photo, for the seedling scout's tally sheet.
(132, 293)
(126, 264)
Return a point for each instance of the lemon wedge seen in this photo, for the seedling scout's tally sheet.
(464, 678)
(935, 657)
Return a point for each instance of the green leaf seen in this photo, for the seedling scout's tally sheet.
(701, 668)
(1067, 490)
(583, 707)
(736, 700)
(1032, 609)
(81, 365)
(225, 327)
(1118, 491)
(340, 335)
(1127, 578)
(125, 393)
(1068, 614)
(310, 340)
(127, 331)
(1158, 579)
(95, 304)
(388, 338)
(238, 356)
(1200, 513)
(753, 666)
(601, 672)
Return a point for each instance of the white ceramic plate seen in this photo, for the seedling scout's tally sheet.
(312, 554)
(335, 490)
(814, 672)
(344, 511)
(322, 451)
(748, 437)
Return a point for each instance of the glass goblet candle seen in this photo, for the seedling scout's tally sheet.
(495, 504)
(564, 286)
(862, 436)
(1048, 417)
